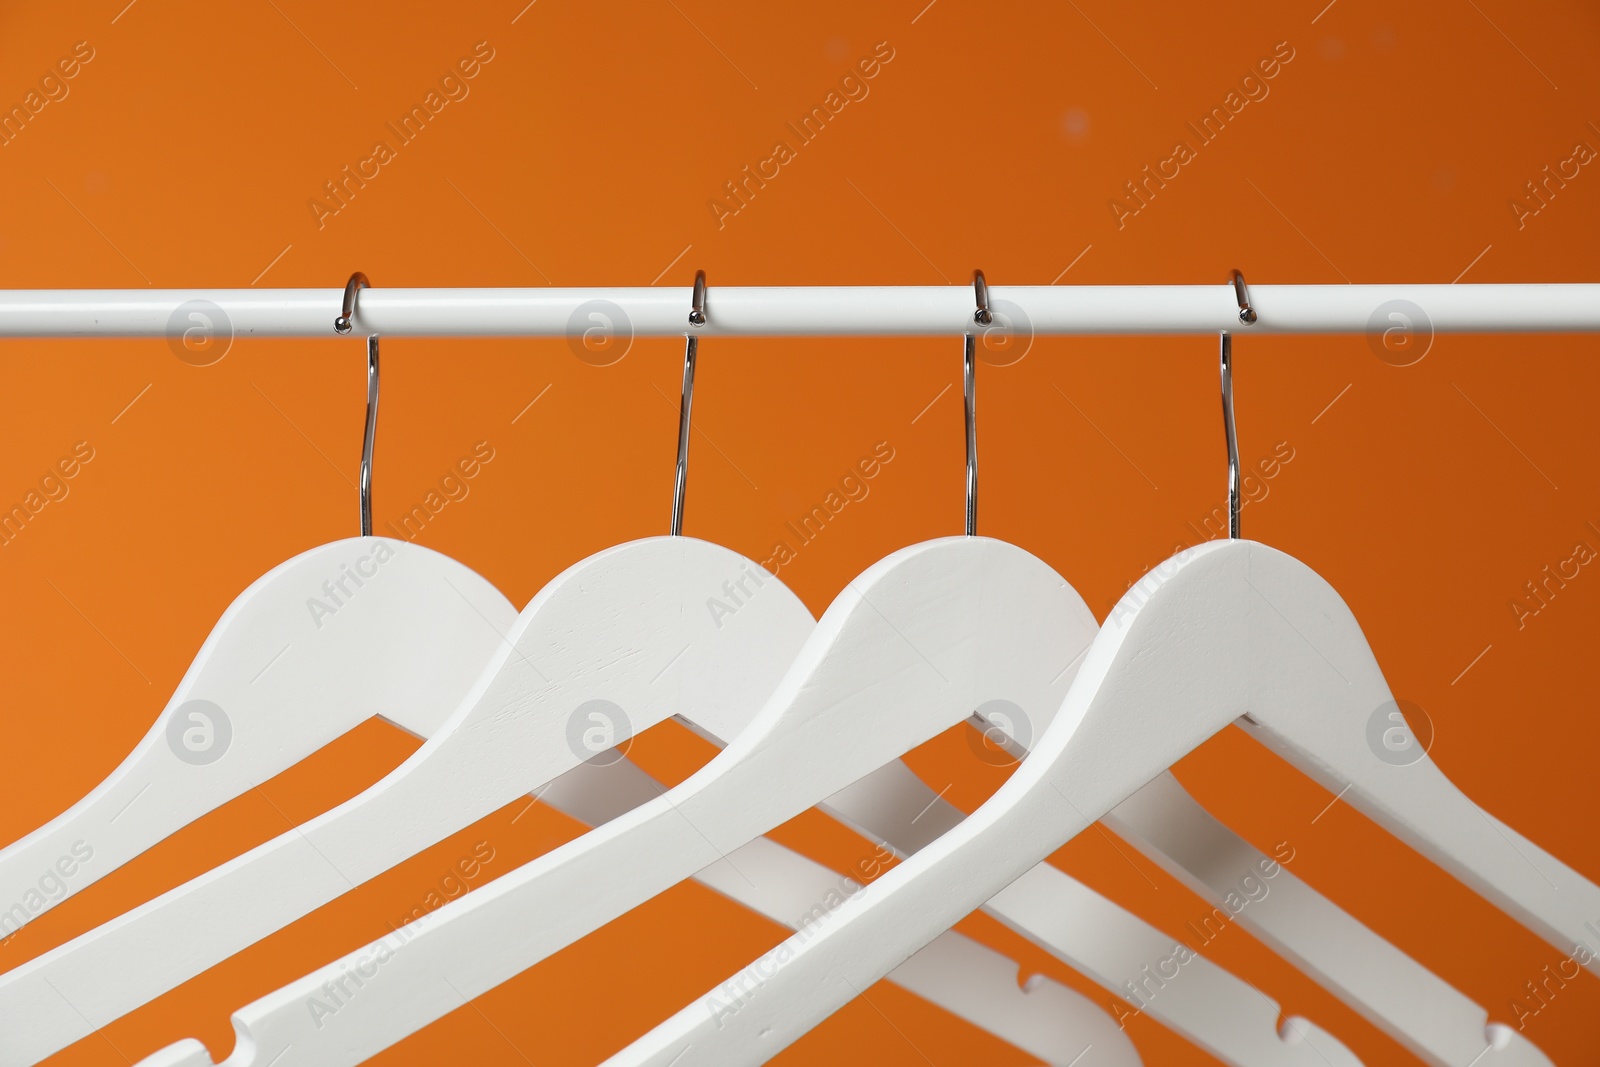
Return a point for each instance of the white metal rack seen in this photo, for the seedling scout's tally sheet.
(751, 311)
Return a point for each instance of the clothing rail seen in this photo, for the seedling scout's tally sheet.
(751, 311)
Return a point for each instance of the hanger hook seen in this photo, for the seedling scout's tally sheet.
(983, 316)
(691, 348)
(1241, 293)
(343, 324)
(370, 436)
(697, 309)
(357, 282)
(969, 391)
(1232, 434)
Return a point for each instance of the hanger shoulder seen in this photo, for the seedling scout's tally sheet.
(626, 631)
(337, 634)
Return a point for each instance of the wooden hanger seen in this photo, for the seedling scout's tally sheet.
(881, 802)
(616, 643)
(50, 1001)
(346, 631)
(613, 595)
(906, 650)
(1225, 630)
(1215, 1010)
(623, 637)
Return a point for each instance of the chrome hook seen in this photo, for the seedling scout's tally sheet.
(370, 436)
(697, 308)
(1247, 315)
(357, 282)
(983, 316)
(691, 348)
(969, 390)
(1233, 436)
(1241, 293)
(343, 325)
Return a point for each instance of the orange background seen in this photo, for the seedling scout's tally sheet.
(1388, 150)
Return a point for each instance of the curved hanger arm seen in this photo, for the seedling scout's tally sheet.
(348, 630)
(626, 631)
(1222, 630)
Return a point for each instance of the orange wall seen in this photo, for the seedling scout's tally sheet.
(1389, 148)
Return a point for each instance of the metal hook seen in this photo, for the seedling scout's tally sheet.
(342, 325)
(983, 316)
(371, 435)
(697, 310)
(691, 348)
(357, 282)
(969, 391)
(1233, 436)
(1241, 293)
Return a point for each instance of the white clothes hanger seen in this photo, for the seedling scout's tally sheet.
(1223, 631)
(614, 644)
(906, 650)
(1414, 1006)
(863, 686)
(514, 732)
(623, 636)
(1217, 1011)
(346, 631)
